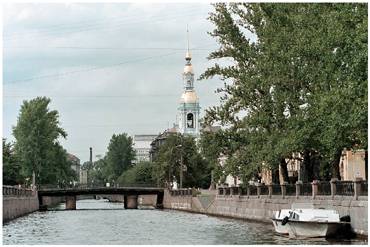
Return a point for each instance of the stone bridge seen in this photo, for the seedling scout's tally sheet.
(130, 195)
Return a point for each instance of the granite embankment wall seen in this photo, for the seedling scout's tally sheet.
(18, 202)
(261, 208)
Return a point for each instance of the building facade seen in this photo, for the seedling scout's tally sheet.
(142, 147)
(159, 140)
(353, 165)
(75, 164)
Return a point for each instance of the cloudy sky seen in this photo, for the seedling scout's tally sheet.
(108, 68)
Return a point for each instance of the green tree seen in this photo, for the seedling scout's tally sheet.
(139, 174)
(119, 156)
(11, 168)
(36, 147)
(97, 173)
(177, 150)
(297, 83)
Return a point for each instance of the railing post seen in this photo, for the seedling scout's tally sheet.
(283, 189)
(248, 191)
(314, 188)
(333, 187)
(258, 190)
(298, 186)
(269, 186)
(357, 187)
(193, 192)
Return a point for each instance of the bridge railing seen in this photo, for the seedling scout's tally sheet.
(92, 186)
(13, 191)
(184, 192)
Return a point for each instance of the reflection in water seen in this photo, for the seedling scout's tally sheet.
(115, 225)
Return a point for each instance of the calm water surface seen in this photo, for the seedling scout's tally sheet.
(101, 222)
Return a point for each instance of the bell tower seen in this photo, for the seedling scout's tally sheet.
(189, 109)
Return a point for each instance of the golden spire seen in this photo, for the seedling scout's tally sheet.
(188, 55)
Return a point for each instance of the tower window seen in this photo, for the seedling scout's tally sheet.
(190, 120)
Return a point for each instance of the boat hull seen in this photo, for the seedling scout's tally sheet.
(279, 228)
(313, 229)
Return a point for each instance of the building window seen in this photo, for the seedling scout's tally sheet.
(190, 120)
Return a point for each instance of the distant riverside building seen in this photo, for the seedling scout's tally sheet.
(76, 166)
(83, 176)
(142, 147)
(159, 140)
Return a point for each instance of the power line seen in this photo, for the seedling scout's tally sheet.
(104, 48)
(95, 68)
(88, 69)
(115, 26)
(105, 20)
(91, 96)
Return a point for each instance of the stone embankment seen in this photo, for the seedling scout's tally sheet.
(259, 206)
(18, 202)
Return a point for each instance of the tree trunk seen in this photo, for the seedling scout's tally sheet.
(335, 164)
(305, 167)
(275, 176)
(284, 170)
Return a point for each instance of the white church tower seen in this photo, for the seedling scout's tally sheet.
(188, 110)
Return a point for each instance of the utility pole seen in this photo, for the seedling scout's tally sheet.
(181, 169)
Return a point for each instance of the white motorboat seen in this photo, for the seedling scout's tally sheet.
(279, 216)
(308, 222)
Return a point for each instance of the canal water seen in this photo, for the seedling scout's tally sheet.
(103, 223)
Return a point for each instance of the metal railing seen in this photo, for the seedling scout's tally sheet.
(364, 188)
(306, 189)
(276, 189)
(345, 188)
(181, 192)
(244, 191)
(324, 188)
(290, 189)
(264, 190)
(252, 190)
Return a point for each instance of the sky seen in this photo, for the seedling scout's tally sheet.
(108, 68)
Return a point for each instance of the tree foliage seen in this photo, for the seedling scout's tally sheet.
(139, 174)
(295, 82)
(37, 148)
(176, 149)
(11, 168)
(119, 156)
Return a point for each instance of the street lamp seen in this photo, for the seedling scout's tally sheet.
(181, 166)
